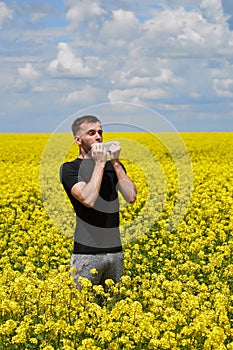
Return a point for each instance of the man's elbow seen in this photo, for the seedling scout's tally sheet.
(133, 199)
(87, 201)
(88, 204)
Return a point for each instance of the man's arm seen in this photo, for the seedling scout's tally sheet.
(126, 186)
(87, 193)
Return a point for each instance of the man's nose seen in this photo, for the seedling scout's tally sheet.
(97, 136)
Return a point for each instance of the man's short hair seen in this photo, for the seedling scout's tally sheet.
(84, 119)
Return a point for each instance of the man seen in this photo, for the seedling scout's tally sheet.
(92, 183)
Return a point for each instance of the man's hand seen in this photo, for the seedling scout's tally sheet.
(98, 153)
(115, 150)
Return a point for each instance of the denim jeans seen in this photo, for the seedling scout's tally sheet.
(108, 266)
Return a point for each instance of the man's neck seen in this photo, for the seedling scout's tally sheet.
(84, 155)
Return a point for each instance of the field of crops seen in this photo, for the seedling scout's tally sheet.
(177, 288)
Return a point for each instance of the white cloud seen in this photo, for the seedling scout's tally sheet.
(221, 89)
(42, 88)
(208, 116)
(173, 107)
(5, 13)
(130, 79)
(88, 95)
(178, 32)
(194, 94)
(68, 65)
(224, 87)
(136, 95)
(191, 36)
(123, 24)
(83, 12)
(36, 17)
(27, 76)
(223, 80)
(28, 73)
(213, 10)
(168, 22)
(33, 11)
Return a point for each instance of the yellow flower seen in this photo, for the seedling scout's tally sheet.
(109, 282)
(99, 289)
(126, 280)
(85, 283)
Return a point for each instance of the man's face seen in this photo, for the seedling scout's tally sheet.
(89, 133)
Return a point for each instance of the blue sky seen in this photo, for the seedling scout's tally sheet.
(63, 58)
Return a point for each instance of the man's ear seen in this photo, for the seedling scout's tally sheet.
(78, 140)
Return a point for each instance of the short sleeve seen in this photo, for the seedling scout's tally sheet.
(69, 176)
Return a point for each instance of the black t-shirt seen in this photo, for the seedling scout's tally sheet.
(97, 228)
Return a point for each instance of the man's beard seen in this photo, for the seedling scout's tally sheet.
(86, 148)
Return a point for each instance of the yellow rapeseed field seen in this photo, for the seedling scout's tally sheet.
(177, 288)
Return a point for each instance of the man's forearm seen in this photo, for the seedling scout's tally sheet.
(87, 193)
(91, 190)
(126, 186)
